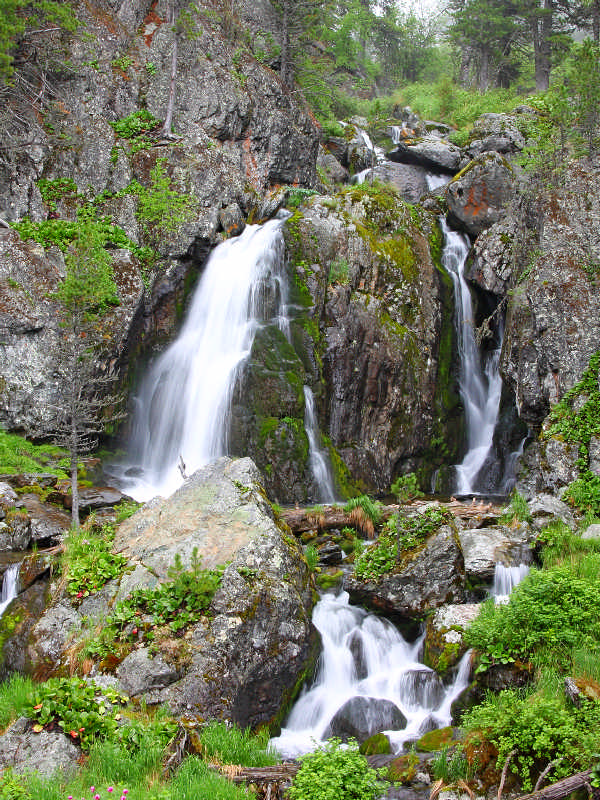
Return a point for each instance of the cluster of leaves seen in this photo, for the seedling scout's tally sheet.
(338, 271)
(82, 709)
(576, 419)
(551, 612)
(333, 772)
(135, 128)
(406, 488)
(12, 786)
(176, 603)
(401, 533)
(57, 189)
(296, 195)
(89, 563)
(539, 727)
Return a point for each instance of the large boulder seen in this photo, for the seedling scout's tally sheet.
(430, 152)
(498, 132)
(432, 576)
(247, 657)
(483, 548)
(362, 717)
(46, 752)
(481, 193)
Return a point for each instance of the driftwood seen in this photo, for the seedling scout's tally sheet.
(301, 520)
(277, 773)
(563, 788)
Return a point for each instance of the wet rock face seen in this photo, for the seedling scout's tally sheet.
(377, 330)
(238, 134)
(480, 194)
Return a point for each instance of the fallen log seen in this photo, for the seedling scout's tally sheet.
(301, 520)
(563, 788)
(277, 773)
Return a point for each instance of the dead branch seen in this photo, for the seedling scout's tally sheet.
(504, 772)
(562, 788)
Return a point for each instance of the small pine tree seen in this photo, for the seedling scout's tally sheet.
(84, 296)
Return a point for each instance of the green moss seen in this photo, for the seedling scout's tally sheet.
(403, 769)
(327, 580)
(435, 740)
(376, 745)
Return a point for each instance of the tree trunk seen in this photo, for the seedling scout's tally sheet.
(484, 70)
(541, 24)
(74, 483)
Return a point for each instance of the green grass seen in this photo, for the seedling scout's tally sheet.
(16, 694)
(233, 745)
(18, 455)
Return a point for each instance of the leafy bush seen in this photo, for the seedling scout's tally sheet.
(540, 728)
(234, 745)
(135, 124)
(335, 773)
(176, 604)
(88, 561)
(551, 611)
(406, 488)
(83, 710)
(338, 271)
(296, 195)
(13, 786)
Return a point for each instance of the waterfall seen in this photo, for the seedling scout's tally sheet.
(505, 580)
(365, 656)
(10, 583)
(479, 380)
(319, 462)
(181, 413)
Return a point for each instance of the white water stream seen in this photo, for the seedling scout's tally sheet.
(505, 580)
(181, 413)
(319, 460)
(10, 584)
(480, 383)
(365, 656)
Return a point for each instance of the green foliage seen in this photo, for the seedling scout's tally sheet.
(338, 271)
(135, 124)
(18, 455)
(370, 508)
(58, 189)
(516, 511)
(89, 563)
(234, 745)
(13, 786)
(296, 195)
(312, 557)
(540, 728)
(335, 773)
(448, 102)
(89, 284)
(576, 419)
(406, 488)
(126, 509)
(176, 604)
(16, 16)
(161, 210)
(195, 779)
(16, 694)
(450, 765)
(122, 62)
(400, 534)
(548, 614)
(82, 709)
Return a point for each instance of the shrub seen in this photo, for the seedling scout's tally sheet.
(88, 561)
(551, 611)
(516, 511)
(406, 488)
(333, 772)
(16, 694)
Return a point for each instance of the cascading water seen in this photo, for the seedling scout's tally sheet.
(319, 462)
(480, 383)
(365, 656)
(10, 583)
(505, 580)
(181, 413)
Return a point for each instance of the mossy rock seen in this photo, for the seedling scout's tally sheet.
(403, 769)
(433, 741)
(376, 745)
(329, 579)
